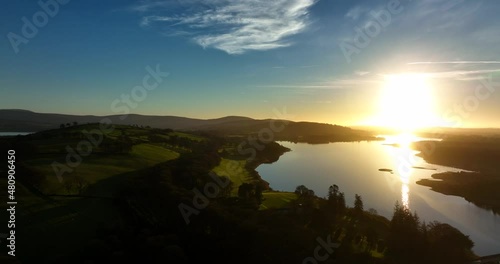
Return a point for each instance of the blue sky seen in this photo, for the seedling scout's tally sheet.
(248, 57)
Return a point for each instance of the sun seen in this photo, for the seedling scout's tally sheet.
(406, 102)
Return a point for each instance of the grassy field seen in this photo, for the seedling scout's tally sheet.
(55, 221)
(237, 174)
(50, 219)
(97, 167)
(152, 154)
(188, 136)
(273, 200)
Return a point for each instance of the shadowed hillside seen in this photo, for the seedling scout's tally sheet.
(22, 120)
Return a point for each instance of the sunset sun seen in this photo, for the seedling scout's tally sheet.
(406, 102)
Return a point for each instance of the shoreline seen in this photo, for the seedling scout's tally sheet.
(474, 187)
(268, 157)
(274, 157)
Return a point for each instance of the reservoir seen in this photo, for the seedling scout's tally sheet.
(382, 174)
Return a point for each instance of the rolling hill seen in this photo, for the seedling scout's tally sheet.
(28, 121)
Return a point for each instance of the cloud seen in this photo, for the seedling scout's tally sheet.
(361, 73)
(337, 84)
(452, 62)
(460, 70)
(356, 12)
(462, 75)
(305, 86)
(236, 26)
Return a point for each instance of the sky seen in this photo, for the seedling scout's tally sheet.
(317, 60)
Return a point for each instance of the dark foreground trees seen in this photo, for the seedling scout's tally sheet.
(411, 241)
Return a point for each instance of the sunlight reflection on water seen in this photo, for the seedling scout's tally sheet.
(355, 168)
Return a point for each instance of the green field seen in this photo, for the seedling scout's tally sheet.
(56, 220)
(97, 167)
(273, 200)
(237, 174)
(188, 136)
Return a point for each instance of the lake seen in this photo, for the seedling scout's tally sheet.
(354, 167)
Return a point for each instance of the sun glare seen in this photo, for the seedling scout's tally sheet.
(406, 103)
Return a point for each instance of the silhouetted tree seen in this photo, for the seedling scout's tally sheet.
(336, 200)
(333, 192)
(303, 191)
(448, 245)
(358, 204)
(258, 194)
(341, 201)
(306, 197)
(405, 239)
(246, 191)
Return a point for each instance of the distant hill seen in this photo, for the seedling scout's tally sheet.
(27, 121)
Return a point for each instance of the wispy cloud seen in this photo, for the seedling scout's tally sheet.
(236, 26)
(460, 70)
(361, 73)
(356, 12)
(347, 83)
(452, 62)
(461, 75)
(305, 86)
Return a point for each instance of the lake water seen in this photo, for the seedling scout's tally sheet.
(354, 167)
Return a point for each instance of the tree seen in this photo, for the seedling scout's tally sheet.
(358, 204)
(336, 200)
(405, 241)
(246, 191)
(75, 123)
(62, 126)
(306, 197)
(258, 194)
(333, 192)
(303, 191)
(341, 202)
(448, 245)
